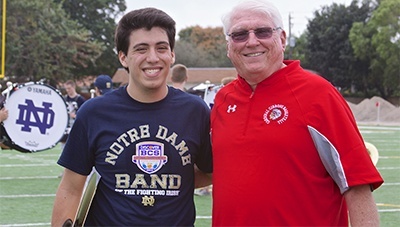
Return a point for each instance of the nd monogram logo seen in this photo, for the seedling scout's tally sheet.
(43, 117)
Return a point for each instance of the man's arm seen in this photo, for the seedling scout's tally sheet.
(67, 197)
(201, 179)
(3, 114)
(362, 207)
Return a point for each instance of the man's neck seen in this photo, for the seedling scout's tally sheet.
(73, 95)
(147, 95)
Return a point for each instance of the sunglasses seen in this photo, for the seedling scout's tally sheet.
(260, 33)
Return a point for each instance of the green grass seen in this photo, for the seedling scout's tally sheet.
(203, 209)
(387, 197)
(27, 187)
(28, 183)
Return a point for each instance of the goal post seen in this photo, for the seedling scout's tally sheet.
(3, 41)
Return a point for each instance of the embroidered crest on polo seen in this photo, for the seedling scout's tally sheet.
(276, 113)
(149, 156)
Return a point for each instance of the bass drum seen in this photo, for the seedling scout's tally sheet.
(37, 117)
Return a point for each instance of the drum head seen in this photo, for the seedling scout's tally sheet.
(37, 117)
(373, 152)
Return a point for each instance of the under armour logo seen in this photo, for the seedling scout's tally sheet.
(29, 109)
(231, 109)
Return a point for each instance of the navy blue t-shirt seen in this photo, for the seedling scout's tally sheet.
(145, 155)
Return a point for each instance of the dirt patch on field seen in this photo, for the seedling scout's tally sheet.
(376, 110)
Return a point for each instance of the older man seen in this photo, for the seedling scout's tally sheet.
(286, 148)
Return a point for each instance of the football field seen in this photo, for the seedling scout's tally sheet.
(28, 182)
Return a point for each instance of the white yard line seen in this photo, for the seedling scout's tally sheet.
(26, 224)
(31, 158)
(203, 217)
(27, 196)
(390, 184)
(379, 127)
(26, 165)
(28, 178)
(388, 210)
(387, 168)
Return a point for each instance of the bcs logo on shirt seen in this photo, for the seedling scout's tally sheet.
(149, 156)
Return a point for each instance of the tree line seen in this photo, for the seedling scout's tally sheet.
(355, 47)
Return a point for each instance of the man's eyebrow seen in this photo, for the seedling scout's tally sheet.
(146, 44)
(140, 44)
(163, 42)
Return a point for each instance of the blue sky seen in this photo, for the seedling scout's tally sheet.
(206, 13)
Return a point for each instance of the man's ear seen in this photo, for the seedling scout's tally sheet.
(122, 59)
(227, 49)
(283, 40)
(173, 57)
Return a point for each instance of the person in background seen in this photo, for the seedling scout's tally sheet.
(103, 84)
(227, 80)
(286, 147)
(179, 76)
(3, 114)
(3, 117)
(73, 99)
(74, 102)
(148, 141)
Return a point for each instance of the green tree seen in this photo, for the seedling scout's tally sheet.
(202, 47)
(43, 43)
(329, 51)
(299, 49)
(377, 41)
(189, 55)
(98, 17)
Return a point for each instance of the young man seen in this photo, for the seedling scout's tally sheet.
(103, 84)
(149, 142)
(179, 76)
(73, 99)
(74, 102)
(286, 147)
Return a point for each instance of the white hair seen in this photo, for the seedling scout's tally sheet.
(258, 6)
